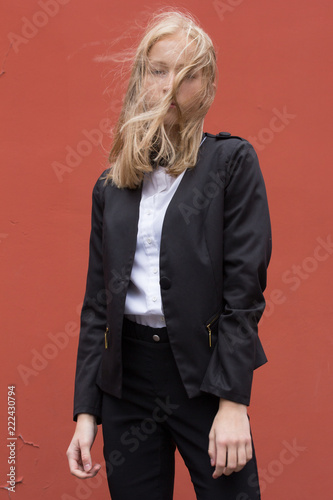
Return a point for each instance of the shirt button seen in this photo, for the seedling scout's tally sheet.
(154, 299)
(155, 270)
(149, 241)
(148, 212)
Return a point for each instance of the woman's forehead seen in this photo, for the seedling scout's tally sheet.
(175, 49)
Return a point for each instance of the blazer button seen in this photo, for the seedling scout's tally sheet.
(165, 283)
(224, 134)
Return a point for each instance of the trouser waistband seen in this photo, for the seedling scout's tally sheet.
(143, 332)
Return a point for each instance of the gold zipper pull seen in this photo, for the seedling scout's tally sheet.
(105, 337)
(209, 329)
(209, 335)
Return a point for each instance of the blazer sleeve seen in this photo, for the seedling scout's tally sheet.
(246, 255)
(87, 395)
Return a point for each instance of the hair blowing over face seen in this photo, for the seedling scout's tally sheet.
(140, 135)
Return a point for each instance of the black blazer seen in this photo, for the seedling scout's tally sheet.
(215, 249)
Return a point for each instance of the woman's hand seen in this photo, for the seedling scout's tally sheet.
(230, 445)
(78, 452)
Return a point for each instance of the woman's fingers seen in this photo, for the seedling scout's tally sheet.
(231, 461)
(243, 457)
(78, 452)
(221, 460)
(230, 458)
(85, 457)
(79, 466)
(212, 447)
(230, 445)
(248, 449)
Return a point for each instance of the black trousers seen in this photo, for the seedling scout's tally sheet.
(154, 416)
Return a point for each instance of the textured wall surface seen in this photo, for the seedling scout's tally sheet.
(58, 100)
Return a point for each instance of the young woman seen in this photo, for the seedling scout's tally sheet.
(179, 247)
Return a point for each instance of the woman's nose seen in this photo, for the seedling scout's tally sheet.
(168, 82)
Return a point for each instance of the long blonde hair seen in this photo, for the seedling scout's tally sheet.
(140, 135)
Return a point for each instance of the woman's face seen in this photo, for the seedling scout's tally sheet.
(166, 59)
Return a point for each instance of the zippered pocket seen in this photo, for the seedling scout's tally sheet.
(210, 325)
(106, 340)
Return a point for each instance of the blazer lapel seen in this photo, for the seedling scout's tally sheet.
(183, 197)
(121, 215)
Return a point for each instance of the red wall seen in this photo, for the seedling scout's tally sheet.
(274, 60)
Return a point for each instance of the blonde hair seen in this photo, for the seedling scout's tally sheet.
(140, 136)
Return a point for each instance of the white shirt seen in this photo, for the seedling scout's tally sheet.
(143, 302)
